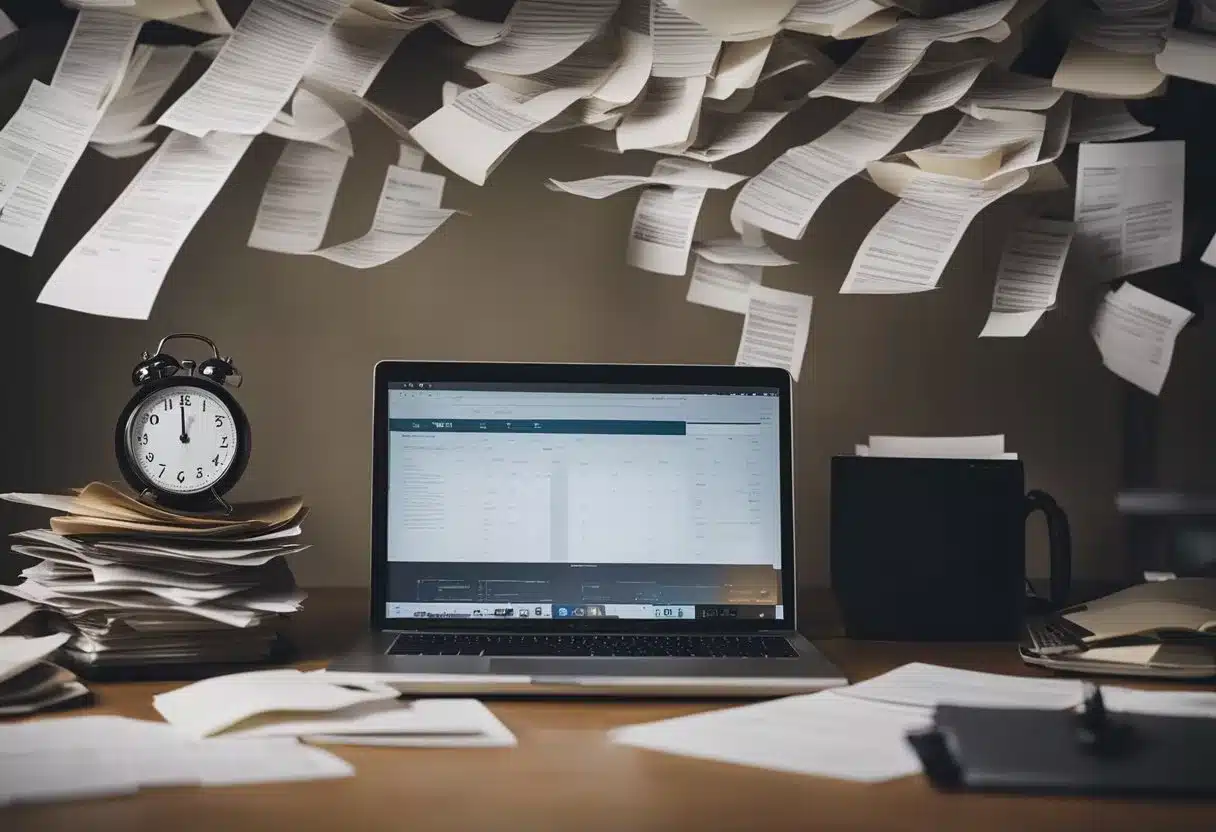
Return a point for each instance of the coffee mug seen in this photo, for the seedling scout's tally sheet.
(935, 549)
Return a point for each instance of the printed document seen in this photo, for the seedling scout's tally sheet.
(784, 196)
(723, 285)
(998, 90)
(1028, 277)
(298, 199)
(664, 222)
(1103, 120)
(927, 686)
(726, 134)
(675, 173)
(96, 56)
(349, 58)
(835, 18)
(1103, 73)
(117, 267)
(739, 67)
(683, 48)
(1189, 55)
(1135, 332)
(541, 33)
(907, 250)
(1129, 201)
(735, 21)
(929, 91)
(776, 328)
(666, 115)
(257, 69)
(141, 90)
(977, 148)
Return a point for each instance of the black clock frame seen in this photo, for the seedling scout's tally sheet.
(212, 498)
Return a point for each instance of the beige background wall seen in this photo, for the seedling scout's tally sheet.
(533, 275)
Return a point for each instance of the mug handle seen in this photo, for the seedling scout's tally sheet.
(1059, 539)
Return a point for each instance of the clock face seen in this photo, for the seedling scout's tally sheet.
(183, 439)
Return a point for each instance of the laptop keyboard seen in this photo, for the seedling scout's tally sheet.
(639, 646)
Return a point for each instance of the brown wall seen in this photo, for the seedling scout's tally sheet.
(533, 275)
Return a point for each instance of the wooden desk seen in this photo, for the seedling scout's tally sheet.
(565, 775)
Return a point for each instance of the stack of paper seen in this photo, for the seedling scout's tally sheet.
(327, 708)
(28, 683)
(103, 756)
(135, 584)
(937, 447)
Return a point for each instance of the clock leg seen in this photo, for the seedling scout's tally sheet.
(220, 500)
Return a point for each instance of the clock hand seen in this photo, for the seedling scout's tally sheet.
(184, 437)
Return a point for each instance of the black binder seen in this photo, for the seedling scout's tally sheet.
(1014, 750)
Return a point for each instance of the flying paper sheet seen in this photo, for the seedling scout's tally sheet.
(1129, 203)
(832, 18)
(629, 77)
(471, 31)
(739, 67)
(721, 285)
(541, 33)
(1028, 277)
(117, 268)
(407, 213)
(14, 162)
(140, 93)
(1135, 333)
(674, 173)
(1189, 55)
(785, 195)
(350, 57)
(977, 148)
(928, 92)
(737, 251)
(125, 150)
(683, 48)
(998, 89)
(1138, 34)
(666, 115)
(96, 55)
(729, 133)
(735, 21)
(1103, 120)
(907, 250)
(663, 226)
(776, 328)
(314, 121)
(51, 130)
(298, 199)
(1091, 70)
(257, 69)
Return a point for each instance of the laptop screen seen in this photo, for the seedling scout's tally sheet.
(583, 501)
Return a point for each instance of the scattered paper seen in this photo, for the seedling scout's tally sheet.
(1189, 55)
(349, 58)
(96, 56)
(407, 213)
(739, 67)
(683, 48)
(1103, 73)
(49, 132)
(991, 446)
(256, 70)
(675, 173)
(1135, 332)
(785, 195)
(18, 654)
(1028, 277)
(927, 92)
(313, 120)
(726, 134)
(1129, 202)
(722, 285)
(666, 115)
(471, 31)
(125, 150)
(819, 734)
(664, 222)
(998, 90)
(835, 18)
(735, 21)
(1192, 703)
(298, 199)
(776, 329)
(628, 79)
(1139, 33)
(541, 33)
(927, 686)
(907, 250)
(741, 252)
(14, 613)
(139, 94)
(117, 268)
(978, 148)
(1103, 120)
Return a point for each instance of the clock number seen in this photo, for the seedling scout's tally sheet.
(219, 421)
(149, 456)
(198, 473)
(184, 401)
(216, 461)
(181, 476)
(204, 405)
(168, 404)
(223, 441)
(162, 471)
(153, 419)
(143, 440)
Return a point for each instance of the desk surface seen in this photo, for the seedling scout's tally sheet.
(566, 775)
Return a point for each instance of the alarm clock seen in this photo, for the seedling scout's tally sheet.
(183, 441)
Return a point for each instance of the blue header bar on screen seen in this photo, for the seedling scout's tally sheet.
(620, 427)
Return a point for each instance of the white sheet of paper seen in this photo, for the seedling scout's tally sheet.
(51, 129)
(421, 718)
(784, 196)
(830, 17)
(1092, 70)
(14, 162)
(96, 56)
(927, 686)
(1196, 703)
(776, 328)
(487, 730)
(732, 133)
(1142, 33)
(1103, 120)
(938, 447)
(683, 48)
(541, 33)
(1128, 208)
(1189, 55)
(666, 115)
(407, 214)
(735, 21)
(739, 67)
(117, 268)
(349, 58)
(664, 222)
(928, 92)
(12, 614)
(1209, 254)
(7, 27)
(298, 199)
(907, 250)
(676, 173)
(738, 251)
(1135, 333)
(256, 70)
(472, 135)
(723, 286)
(1028, 277)
(1000, 89)
(140, 93)
(629, 77)
(18, 653)
(315, 121)
(978, 148)
(471, 31)
(819, 734)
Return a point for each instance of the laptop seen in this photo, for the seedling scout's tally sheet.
(584, 529)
